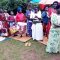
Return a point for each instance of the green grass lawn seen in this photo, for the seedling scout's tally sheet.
(16, 50)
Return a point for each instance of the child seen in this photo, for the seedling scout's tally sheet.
(6, 14)
(11, 19)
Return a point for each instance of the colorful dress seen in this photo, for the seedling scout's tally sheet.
(53, 44)
(50, 11)
(21, 24)
(11, 20)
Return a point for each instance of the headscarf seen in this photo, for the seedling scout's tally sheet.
(19, 9)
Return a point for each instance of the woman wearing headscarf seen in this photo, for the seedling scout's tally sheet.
(37, 28)
(20, 19)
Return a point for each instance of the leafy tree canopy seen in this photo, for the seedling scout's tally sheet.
(11, 4)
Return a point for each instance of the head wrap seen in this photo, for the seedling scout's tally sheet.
(19, 9)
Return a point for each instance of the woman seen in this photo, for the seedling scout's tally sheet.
(3, 27)
(52, 9)
(21, 21)
(11, 19)
(45, 20)
(53, 44)
(29, 22)
(6, 14)
(37, 29)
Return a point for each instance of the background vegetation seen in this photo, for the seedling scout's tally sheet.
(12, 4)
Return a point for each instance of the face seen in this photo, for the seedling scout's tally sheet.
(36, 10)
(30, 8)
(55, 5)
(46, 8)
(19, 10)
(5, 11)
(11, 13)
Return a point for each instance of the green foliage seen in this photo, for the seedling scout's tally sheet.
(11, 4)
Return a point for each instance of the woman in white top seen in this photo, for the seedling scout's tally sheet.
(37, 29)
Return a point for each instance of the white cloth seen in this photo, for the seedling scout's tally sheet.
(38, 14)
(58, 18)
(2, 38)
(1, 25)
(21, 24)
(37, 31)
(6, 15)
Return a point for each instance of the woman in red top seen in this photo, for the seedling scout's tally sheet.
(21, 21)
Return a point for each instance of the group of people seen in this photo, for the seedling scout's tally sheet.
(10, 24)
(34, 23)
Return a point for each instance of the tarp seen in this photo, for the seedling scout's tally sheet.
(47, 1)
(35, 1)
(51, 1)
(43, 2)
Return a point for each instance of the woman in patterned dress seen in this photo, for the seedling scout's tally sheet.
(53, 44)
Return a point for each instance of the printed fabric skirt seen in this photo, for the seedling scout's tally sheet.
(53, 44)
(37, 31)
(21, 26)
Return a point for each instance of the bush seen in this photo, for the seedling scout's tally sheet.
(11, 4)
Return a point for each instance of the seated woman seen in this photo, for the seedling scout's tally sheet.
(20, 19)
(3, 29)
(53, 44)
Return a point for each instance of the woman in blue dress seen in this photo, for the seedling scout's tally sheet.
(29, 22)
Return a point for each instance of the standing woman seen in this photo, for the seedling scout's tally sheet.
(29, 22)
(52, 9)
(53, 44)
(37, 28)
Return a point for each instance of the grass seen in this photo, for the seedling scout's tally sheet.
(16, 50)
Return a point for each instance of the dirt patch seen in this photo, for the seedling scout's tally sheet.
(30, 55)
